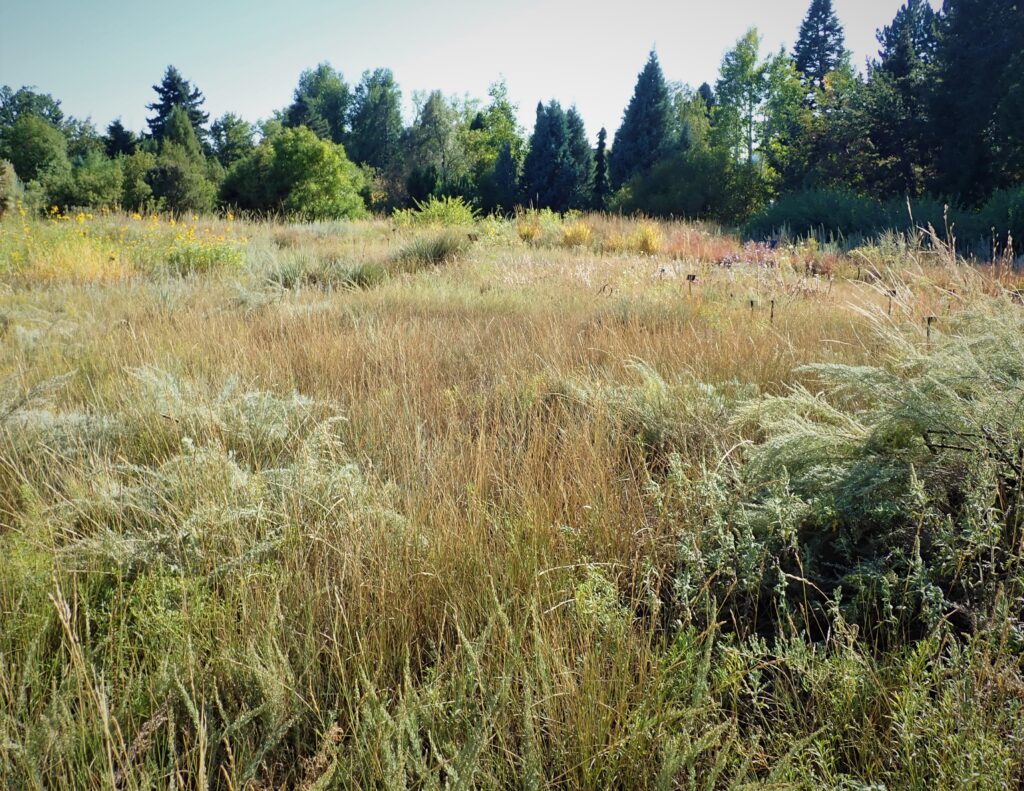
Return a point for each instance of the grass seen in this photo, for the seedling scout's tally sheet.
(278, 522)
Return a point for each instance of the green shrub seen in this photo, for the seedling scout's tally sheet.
(197, 256)
(448, 211)
(892, 494)
(95, 182)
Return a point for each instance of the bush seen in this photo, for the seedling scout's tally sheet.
(448, 212)
(891, 495)
(297, 174)
(827, 213)
(95, 182)
(33, 145)
(179, 182)
(8, 187)
(577, 234)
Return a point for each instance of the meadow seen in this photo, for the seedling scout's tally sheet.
(439, 501)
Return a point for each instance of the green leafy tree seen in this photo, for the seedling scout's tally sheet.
(821, 45)
(27, 101)
(33, 145)
(175, 91)
(96, 181)
(788, 128)
(119, 140)
(602, 189)
(136, 193)
(741, 91)
(321, 102)
(646, 125)
(491, 135)
(231, 138)
(181, 179)
(434, 149)
(298, 174)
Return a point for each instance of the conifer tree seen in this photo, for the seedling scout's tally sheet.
(175, 91)
(646, 126)
(119, 140)
(821, 46)
(506, 180)
(581, 161)
(547, 171)
(601, 187)
(376, 130)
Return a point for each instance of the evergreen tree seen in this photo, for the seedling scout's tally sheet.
(119, 140)
(434, 149)
(977, 60)
(175, 91)
(646, 125)
(580, 161)
(231, 138)
(899, 92)
(321, 102)
(821, 46)
(548, 178)
(506, 180)
(375, 138)
(601, 187)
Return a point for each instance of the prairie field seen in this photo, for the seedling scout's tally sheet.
(581, 503)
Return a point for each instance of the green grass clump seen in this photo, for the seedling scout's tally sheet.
(433, 249)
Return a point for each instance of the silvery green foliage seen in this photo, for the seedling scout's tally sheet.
(894, 491)
(194, 479)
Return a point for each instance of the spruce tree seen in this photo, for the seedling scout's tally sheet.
(175, 91)
(601, 187)
(506, 180)
(821, 46)
(580, 160)
(119, 140)
(376, 130)
(547, 171)
(978, 65)
(646, 126)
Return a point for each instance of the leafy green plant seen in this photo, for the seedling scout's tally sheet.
(445, 211)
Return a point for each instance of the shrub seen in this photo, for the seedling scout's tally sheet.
(889, 494)
(197, 256)
(576, 234)
(94, 182)
(33, 146)
(447, 211)
(8, 187)
(297, 174)
(647, 239)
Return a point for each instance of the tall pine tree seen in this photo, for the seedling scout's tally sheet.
(602, 189)
(821, 46)
(175, 91)
(581, 161)
(375, 137)
(646, 126)
(978, 66)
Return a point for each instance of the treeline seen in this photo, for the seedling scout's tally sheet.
(799, 139)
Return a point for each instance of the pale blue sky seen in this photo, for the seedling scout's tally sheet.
(102, 58)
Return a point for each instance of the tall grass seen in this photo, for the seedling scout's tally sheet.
(552, 516)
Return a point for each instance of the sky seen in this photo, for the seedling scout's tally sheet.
(101, 58)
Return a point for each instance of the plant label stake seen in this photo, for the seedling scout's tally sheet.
(928, 331)
(689, 284)
(771, 318)
(890, 293)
